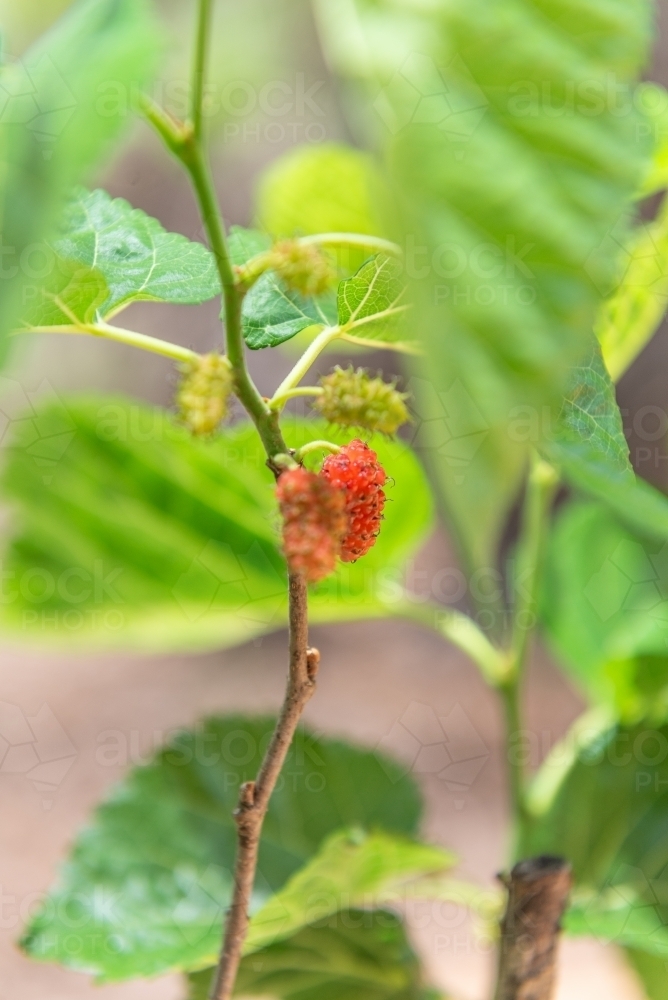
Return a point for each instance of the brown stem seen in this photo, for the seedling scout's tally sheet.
(254, 795)
(538, 891)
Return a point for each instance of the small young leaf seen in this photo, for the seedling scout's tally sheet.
(374, 290)
(150, 880)
(271, 313)
(137, 257)
(357, 955)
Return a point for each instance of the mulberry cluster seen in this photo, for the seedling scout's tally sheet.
(356, 470)
(203, 393)
(336, 513)
(351, 398)
(303, 267)
(314, 522)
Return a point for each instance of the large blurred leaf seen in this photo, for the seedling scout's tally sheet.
(652, 971)
(507, 208)
(609, 817)
(355, 956)
(149, 882)
(137, 258)
(605, 609)
(62, 105)
(127, 532)
(350, 869)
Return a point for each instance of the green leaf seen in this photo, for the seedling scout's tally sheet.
(149, 882)
(609, 817)
(243, 244)
(653, 99)
(652, 971)
(66, 100)
(589, 431)
(356, 956)
(507, 209)
(74, 295)
(129, 533)
(589, 447)
(272, 313)
(619, 915)
(138, 259)
(628, 319)
(374, 290)
(351, 869)
(605, 611)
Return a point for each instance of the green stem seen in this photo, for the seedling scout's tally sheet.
(293, 378)
(140, 340)
(199, 66)
(353, 240)
(463, 632)
(316, 446)
(307, 390)
(266, 422)
(541, 485)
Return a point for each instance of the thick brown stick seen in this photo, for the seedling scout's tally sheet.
(537, 896)
(254, 795)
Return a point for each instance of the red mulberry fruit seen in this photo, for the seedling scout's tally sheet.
(314, 522)
(355, 469)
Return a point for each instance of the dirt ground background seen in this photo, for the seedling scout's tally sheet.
(372, 674)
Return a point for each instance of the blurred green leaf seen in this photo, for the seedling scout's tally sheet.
(74, 295)
(271, 313)
(129, 533)
(621, 916)
(138, 259)
(149, 882)
(629, 318)
(350, 869)
(609, 817)
(653, 100)
(508, 249)
(65, 101)
(242, 244)
(652, 971)
(355, 956)
(605, 609)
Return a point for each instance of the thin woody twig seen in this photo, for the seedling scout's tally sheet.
(254, 795)
(538, 891)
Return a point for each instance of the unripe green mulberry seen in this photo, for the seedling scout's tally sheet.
(303, 267)
(203, 393)
(354, 399)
